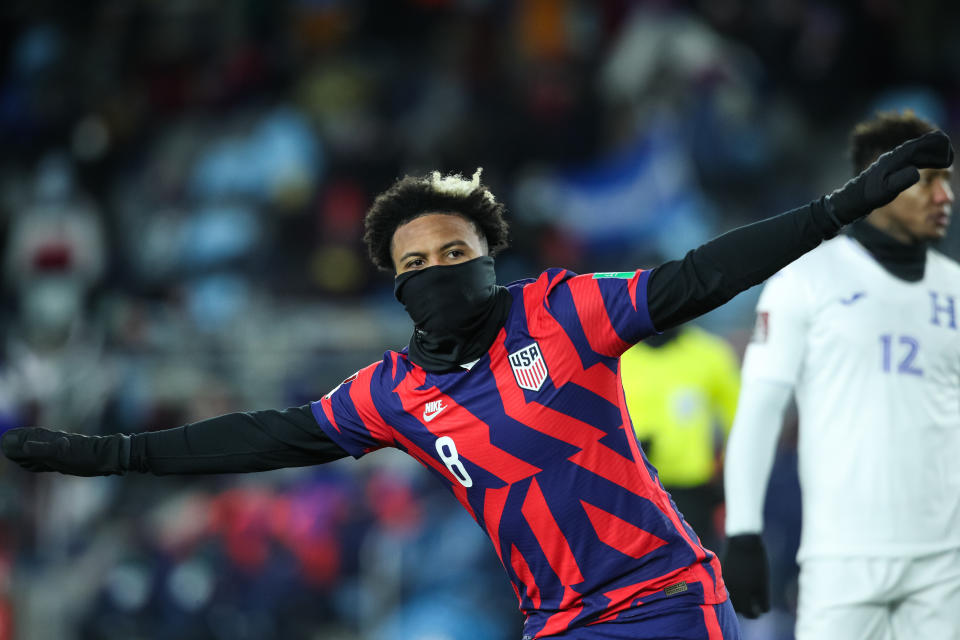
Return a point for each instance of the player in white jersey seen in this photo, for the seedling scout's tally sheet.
(864, 331)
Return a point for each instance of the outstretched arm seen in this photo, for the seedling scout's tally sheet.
(231, 443)
(713, 273)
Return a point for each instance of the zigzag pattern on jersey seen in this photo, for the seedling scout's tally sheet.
(615, 531)
(574, 511)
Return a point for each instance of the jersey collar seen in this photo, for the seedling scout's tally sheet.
(904, 261)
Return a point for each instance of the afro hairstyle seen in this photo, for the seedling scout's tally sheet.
(413, 196)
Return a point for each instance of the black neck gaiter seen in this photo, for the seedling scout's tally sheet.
(457, 312)
(905, 261)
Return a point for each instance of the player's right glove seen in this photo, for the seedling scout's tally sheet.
(37, 449)
(745, 572)
(890, 174)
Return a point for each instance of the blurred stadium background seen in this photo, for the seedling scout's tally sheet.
(182, 185)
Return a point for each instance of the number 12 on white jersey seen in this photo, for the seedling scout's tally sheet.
(903, 350)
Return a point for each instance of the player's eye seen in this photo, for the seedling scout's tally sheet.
(455, 253)
(416, 262)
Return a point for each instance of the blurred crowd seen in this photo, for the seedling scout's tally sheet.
(182, 187)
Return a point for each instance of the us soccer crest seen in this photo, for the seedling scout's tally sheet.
(529, 367)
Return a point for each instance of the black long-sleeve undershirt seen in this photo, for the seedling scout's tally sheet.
(677, 291)
(235, 443)
(716, 271)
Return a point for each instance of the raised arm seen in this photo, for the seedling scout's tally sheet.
(231, 443)
(716, 271)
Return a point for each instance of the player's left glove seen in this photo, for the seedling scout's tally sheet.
(890, 174)
(37, 449)
(745, 571)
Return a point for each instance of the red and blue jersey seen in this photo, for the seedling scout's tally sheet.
(535, 442)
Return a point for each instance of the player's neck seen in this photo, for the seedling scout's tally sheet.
(906, 261)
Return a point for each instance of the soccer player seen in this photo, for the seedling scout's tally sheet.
(510, 396)
(865, 332)
(681, 390)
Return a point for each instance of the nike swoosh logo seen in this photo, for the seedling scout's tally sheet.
(853, 298)
(433, 414)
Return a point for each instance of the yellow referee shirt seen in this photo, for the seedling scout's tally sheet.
(682, 397)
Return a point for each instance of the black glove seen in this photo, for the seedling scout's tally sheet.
(744, 567)
(892, 172)
(37, 449)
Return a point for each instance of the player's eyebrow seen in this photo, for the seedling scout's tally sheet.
(421, 254)
(945, 172)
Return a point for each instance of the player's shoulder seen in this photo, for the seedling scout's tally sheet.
(943, 263)
(825, 258)
(811, 276)
(390, 369)
(828, 254)
(546, 281)
(534, 293)
(554, 277)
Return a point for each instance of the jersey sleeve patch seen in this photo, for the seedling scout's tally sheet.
(761, 327)
(777, 346)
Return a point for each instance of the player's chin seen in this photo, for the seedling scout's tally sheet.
(939, 231)
(936, 228)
